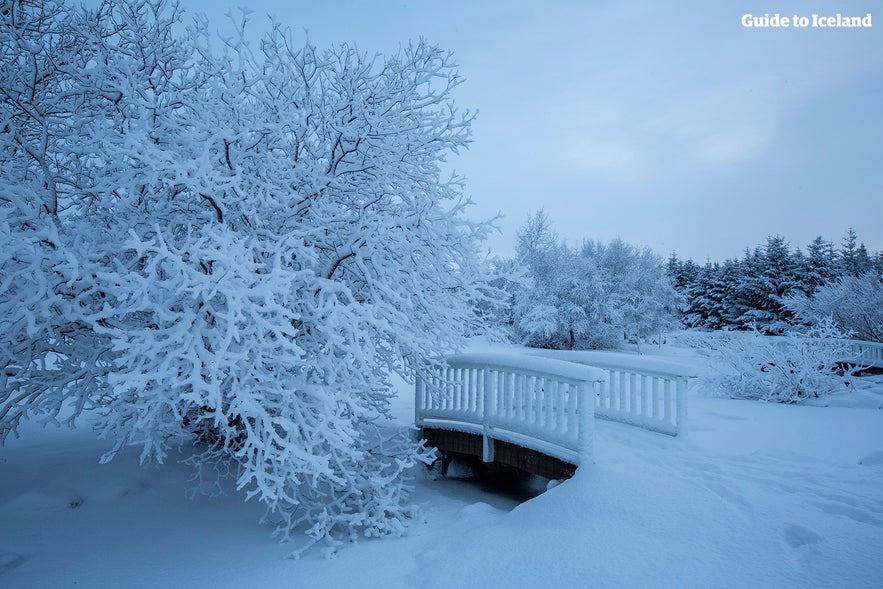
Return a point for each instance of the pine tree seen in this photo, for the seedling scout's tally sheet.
(681, 273)
(822, 265)
(848, 253)
(863, 261)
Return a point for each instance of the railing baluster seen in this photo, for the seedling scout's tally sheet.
(572, 392)
(633, 393)
(551, 392)
(623, 392)
(561, 411)
(608, 390)
(474, 407)
(655, 397)
(529, 400)
(586, 411)
(510, 395)
(682, 406)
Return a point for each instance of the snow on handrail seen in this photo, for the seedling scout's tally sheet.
(619, 361)
(539, 403)
(650, 393)
(538, 365)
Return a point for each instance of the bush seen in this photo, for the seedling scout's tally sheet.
(854, 303)
(785, 369)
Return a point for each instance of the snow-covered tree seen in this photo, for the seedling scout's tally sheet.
(565, 303)
(230, 241)
(591, 297)
(681, 273)
(854, 303)
(647, 304)
(854, 256)
(769, 275)
(792, 368)
(821, 265)
(751, 291)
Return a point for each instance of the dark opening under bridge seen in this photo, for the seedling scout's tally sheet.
(535, 410)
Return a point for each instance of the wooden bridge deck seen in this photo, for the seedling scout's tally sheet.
(452, 442)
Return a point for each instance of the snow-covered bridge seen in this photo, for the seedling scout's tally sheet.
(866, 354)
(535, 410)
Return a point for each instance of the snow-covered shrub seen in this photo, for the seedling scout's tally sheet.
(854, 302)
(786, 369)
(237, 244)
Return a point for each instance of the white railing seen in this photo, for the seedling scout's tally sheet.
(865, 354)
(646, 392)
(538, 403)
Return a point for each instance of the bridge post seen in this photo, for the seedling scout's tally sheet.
(586, 410)
(488, 404)
(681, 412)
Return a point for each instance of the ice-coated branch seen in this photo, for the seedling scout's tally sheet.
(244, 241)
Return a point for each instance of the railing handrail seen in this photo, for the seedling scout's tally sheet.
(635, 408)
(862, 342)
(870, 354)
(619, 361)
(558, 422)
(531, 365)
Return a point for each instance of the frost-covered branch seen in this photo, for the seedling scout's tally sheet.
(246, 241)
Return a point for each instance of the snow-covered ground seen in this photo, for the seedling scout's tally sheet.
(759, 495)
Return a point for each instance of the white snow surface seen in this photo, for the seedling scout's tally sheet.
(758, 495)
(532, 363)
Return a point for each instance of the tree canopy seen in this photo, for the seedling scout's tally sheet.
(233, 241)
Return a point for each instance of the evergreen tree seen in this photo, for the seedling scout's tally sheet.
(707, 296)
(749, 292)
(863, 261)
(681, 273)
(822, 265)
(848, 253)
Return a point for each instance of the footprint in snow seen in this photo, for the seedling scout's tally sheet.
(9, 561)
(798, 536)
(873, 459)
(853, 513)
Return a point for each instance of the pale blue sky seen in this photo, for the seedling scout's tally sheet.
(663, 122)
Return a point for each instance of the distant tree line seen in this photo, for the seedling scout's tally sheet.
(772, 288)
(598, 296)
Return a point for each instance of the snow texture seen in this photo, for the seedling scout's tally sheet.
(759, 495)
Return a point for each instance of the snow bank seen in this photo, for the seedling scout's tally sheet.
(759, 495)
